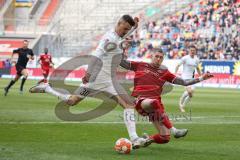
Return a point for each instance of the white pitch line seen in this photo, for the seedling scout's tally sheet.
(177, 120)
(206, 117)
(106, 122)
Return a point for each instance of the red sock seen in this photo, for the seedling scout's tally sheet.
(166, 121)
(160, 139)
(160, 115)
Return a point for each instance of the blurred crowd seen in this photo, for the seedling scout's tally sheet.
(212, 25)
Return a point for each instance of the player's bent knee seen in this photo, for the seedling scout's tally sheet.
(147, 105)
(156, 104)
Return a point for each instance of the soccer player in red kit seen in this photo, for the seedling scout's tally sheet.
(148, 84)
(45, 60)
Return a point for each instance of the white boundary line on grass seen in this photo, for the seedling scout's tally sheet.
(181, 121)
(106, 122)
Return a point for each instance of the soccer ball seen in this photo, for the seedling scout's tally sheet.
(123, 146)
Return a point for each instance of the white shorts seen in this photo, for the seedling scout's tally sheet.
(94, 88)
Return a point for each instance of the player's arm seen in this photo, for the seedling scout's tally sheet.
(94, 68)
(182, 61)
(125, 63)
(39, 59)
(31, 55)
(136, 20)
(129, 65)
(199, 71)
(95, 63)
(177, 68)
(183, 82)
(15, 51)
(51, 61)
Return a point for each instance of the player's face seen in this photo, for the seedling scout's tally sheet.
(192, 51)
(25, 44)
(157, 58)
(123, 28)
(45, 50)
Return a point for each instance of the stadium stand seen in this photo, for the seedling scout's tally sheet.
(49, 12)
(80, 22)
(76, 26)
(2, 3)
(6, 47)
(213, 26)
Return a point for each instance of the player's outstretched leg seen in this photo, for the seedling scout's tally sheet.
(154, 106)
(22, 84)
(24, 72)
(183, 97)
(129, 120)
(162, 137)
(180, 133)
(46, 88)
(39, 88)
(188, 94)
(11, 83)
(6, 89)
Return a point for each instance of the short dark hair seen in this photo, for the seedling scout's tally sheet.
(157, 50)
(129, 19)
(25, 40)
(193, 46)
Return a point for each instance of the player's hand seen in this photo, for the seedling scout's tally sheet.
(206, 76)
(136, 20)
(13, 63)
(125, 54)
(125, 44)
(86, 78)
(30, 57)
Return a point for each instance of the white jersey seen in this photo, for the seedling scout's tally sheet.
(103, 81)
(189, 66)
(107, 57)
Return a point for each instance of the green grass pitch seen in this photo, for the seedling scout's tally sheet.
(30, 130)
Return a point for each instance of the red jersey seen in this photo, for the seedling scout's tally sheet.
(46, 60)
(148, 80)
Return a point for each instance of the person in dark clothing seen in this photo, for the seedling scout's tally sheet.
(24, 54)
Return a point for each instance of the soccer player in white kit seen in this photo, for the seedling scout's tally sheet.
(99, 74)
(190, 62)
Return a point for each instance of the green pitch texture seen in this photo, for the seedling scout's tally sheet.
(30, 130)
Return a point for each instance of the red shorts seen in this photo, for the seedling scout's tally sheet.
(45, 71)
(153, 115)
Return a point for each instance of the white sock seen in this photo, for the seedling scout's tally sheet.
(173, 130)
(61, 96)
(129, 120)
(184, 95)
(186, 100)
